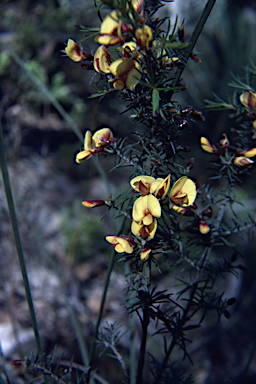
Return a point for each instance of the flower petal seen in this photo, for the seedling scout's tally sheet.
(84, 155)
(133, 78)
(144, 255)
(242, 161)
(208, 147)
(101, 60)
(138, 181)
(120, 244)
(102, 137)
(88, 141)
(183, 192)
(73, 51)
(163, 187)
(93, 203)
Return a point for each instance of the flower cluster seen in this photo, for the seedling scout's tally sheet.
(241, 157)
(132, 35)
(95, 144)
(147, 209)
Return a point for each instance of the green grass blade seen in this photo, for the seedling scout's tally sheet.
(16, 233)
(195, 35)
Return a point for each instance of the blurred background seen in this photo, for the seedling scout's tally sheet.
(49, 186)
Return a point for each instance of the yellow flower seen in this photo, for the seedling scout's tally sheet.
(95, 144)
(145, 209)
(204, 227)
(208, 147)
(122, 243)
(183, 192)
(248, 99)
(242, 161)
(148, 184)
(144, 255)
(73, 51)
(144, 36)
(224, 143)
(248, 153)
(111, 29)
(101, 60)
(163, 187)
(127, 73)
(93, 203)
(137, 5)
(144, 231)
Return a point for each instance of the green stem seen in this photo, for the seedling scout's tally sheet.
(103, 298)
(16, 233)
(145, 323)
(195, 35)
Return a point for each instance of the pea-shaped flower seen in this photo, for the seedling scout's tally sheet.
(144, 231)
(248, 99)
(183, 192)
(122, 243)
(145, 209)
(148, 185)
(95, 144)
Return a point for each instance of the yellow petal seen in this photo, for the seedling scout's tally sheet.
(151, 229)
(110, 23)
(118, 84)
(250, 152)
(207, 146)
(121, 67)
(146, 180)
(120, 244)
(135, 228)
(183, 192)
(204, 227)
(93, 203)
(101, 60)
(242, 161)
(145, 205)
(248, 99)
(101, 137)
(163, 187)
(133, 78)
(88, 141)
(129, 47)
(73, 51)
(144, 36)
(83, 155)
(144, 255)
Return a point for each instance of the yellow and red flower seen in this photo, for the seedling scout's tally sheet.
(144, 37)
(203, 227)
(242, 161)
(93, 203)
(144, 231)
(122, 243)
(148, 185)
(183, 192)
(208, 147)
(248, 99)
(95, 144)
(75, 53)
(146, 211)
(101, 60)
(112, 29)
(127, 72)
(224, 143)
(144, 255)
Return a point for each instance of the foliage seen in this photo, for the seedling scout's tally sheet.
(170, 221)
